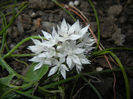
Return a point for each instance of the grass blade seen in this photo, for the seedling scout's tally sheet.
(27, 95)
(97, 21)
(93, 88)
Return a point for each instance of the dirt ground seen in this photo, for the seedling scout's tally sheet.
(116, 27)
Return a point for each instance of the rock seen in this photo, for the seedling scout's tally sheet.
(84, 6)
(37, 23)
(118, 38)
(14, 34)
(41, 4)
(20, 25)
(26, 21)
(99, 69)
(33, 14)
(111, 31)
(48, 25)
(107, 27)
(115, 10)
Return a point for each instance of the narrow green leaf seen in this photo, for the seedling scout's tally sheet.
(6, 66)
(27, 95)
(6, 80)
(93, 88)
(7, 92)
(97, 21)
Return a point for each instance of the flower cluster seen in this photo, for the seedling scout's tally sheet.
(63, 49)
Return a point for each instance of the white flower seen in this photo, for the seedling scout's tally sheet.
(48, 52)
(73, 32)
(63, 49)
(59, 66)
(37, 48)
(74, 55)
(86, 42)
(51, 39)
(41, 61)
(44, 57)
(83, 60)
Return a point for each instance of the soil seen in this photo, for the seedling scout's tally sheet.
(116, 21)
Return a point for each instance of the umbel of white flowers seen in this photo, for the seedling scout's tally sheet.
(63, 49)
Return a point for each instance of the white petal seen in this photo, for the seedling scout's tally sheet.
(62, 59)
(84, 30)
(62, 39)
(54, 61)
(81, 44)
(85, 61)
(78, 51)
(63, 70)
(64, 25)
(78, 68)
(68, 25)
(36, 42)
(35, 59)
(36, 49)
(54, 33)
(47, 35)
(38, 66)
(53, 70)
(76, 59)
(75, 36)
(88, 48)
(48, 44)
(64, 67)
(32, 48)
(73, 27)
(63, 73)
(69, 62)
(42, 55)
(48, 62)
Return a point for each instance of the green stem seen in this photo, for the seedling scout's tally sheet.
(19, 44)
(7, 26)
(21, 55)
(4, 34)
(27, 95)
(104, 51)
(124, 74)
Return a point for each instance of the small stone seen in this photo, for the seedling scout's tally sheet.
(71, 3)
(20, 25)
(118, 38)
(41, 4)
(37, 22)
(115, 10)
(33, 14)
(99, 69)
(12, 45)
(76, 3)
